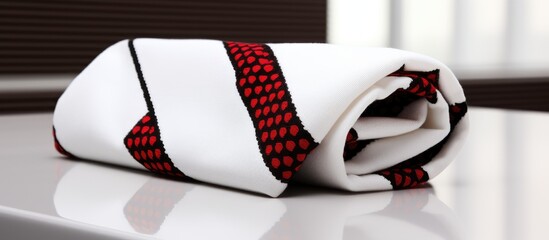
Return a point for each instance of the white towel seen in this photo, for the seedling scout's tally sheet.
(258, 116)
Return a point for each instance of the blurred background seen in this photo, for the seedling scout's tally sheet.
(497, 48)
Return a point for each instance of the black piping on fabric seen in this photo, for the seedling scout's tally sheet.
(142, 82)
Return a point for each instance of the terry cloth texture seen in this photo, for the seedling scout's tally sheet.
(258, 116)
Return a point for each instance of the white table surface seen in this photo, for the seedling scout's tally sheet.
(497, 188)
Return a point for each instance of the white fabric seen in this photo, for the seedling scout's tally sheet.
(209, 135)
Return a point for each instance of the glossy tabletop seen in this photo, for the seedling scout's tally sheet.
(497, 188)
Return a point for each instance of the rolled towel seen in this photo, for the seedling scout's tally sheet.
(257, 116)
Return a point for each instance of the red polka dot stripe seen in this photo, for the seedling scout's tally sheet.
(144, 144)
(401, 178)
(143, 140)
(353, 145)
(282, 139)
(424, 84)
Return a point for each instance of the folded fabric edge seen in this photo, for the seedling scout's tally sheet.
(276, 164)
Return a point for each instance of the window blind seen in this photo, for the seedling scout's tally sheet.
(63, 36)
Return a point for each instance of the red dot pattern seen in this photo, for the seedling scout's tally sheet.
(144, 144)
(401, 178)
(353, 145)
(424, 84)
(282, 138)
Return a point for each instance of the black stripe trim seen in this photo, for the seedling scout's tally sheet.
(142, 82)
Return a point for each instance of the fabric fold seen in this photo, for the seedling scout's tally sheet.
(257, 116)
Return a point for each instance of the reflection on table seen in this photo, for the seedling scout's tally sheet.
(171, 209)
